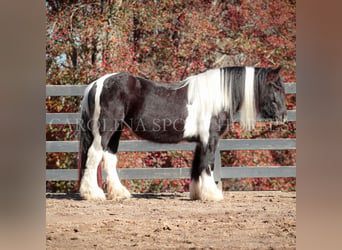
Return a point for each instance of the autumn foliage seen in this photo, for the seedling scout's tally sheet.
(168, 41)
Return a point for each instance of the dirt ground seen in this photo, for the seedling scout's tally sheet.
(243, 220)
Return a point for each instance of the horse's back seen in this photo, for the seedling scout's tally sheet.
(154, 111)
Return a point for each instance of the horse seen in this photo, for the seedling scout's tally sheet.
(198, 109)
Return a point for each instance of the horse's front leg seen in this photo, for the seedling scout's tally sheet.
(203, 186)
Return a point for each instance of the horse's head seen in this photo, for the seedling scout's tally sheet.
(272, 104)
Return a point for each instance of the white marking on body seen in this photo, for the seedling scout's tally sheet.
(115, 190)
(89, 188)
(248, 111)
(84, 102)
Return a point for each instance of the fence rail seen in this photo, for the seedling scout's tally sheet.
(146, 146)
(78, 90)
(179, 173)
(220, 172)
(74, 118)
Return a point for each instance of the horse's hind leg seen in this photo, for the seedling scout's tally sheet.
(115, 190)
(89, 188)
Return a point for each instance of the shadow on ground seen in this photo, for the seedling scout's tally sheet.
(76, 196)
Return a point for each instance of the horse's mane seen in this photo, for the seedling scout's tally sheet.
(219, 90)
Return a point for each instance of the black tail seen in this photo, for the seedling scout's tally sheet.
(85, 130)
(86, 139)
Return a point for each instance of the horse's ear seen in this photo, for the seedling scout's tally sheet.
(274, 74)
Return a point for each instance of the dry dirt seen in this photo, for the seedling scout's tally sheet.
(243, 220)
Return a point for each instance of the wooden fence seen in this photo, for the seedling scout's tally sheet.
(220, 172)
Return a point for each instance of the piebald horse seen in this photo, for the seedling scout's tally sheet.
(198, 109)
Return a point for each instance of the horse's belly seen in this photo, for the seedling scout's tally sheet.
(158, 129)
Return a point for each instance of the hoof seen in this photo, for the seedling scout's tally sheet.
(118, 193)
(94, 194)
(212, 195)
(205, 189)
(195, 190)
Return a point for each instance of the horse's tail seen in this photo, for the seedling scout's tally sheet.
(85, 139)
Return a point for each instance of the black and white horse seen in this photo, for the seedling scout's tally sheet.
(198, 109)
